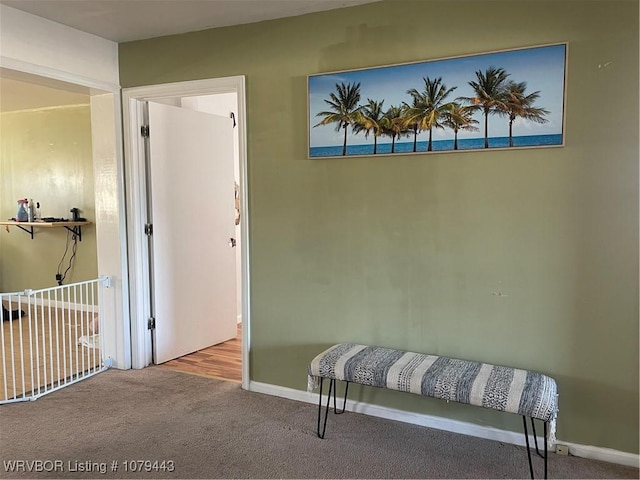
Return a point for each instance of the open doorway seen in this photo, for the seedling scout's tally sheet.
(221, 359)
(217, 96)
(68, 132)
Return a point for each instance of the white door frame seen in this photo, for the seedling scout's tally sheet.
(135, 174)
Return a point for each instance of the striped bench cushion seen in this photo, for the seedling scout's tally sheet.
(500, 388)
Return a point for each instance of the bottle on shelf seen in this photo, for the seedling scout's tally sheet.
(22, 215)
(31, 209)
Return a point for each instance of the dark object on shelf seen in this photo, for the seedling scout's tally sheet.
(76, 215)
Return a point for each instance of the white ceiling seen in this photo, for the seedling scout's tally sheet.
(127, 20)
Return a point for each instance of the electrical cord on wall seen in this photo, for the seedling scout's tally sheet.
(61, 276)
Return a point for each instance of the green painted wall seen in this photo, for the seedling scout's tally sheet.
(46, 155)
(406, 251)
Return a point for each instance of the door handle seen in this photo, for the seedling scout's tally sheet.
(232, 242)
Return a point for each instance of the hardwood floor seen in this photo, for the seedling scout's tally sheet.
(43, 348)
(222, 361)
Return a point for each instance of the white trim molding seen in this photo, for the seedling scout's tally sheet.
(449, 425)
(604, 454)
(51, 76)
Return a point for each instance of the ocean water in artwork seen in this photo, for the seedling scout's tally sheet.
(438, 145)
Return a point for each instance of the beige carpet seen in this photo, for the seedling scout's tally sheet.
(209, 428)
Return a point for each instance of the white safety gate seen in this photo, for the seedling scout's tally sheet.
(51, 338)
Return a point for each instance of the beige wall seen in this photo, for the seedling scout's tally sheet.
(406, 251)
(46, 155)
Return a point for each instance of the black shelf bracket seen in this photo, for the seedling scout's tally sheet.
(76, 230)
(29, 230)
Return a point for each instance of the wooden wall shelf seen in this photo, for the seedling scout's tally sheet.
(74, 227)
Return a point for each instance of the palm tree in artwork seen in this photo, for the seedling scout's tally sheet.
(490, 89)
(459, 117)
(344, 108)
(413, 125)
(429, 106)
(369, 119)
(394, 124)
(518, 104)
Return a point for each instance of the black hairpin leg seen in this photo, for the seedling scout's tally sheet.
(545, 450)
(535, 437)
(526, 436)
(326, 412)
(344, 403)
(332, 387)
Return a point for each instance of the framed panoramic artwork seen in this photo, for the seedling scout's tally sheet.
(508, 99)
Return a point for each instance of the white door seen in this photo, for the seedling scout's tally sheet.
(192, 207)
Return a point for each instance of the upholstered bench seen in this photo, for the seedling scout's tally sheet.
(506, 389)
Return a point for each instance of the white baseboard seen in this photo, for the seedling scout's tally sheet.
(450, 425)
(604, 454)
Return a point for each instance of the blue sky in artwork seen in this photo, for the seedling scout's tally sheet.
(541, 67)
